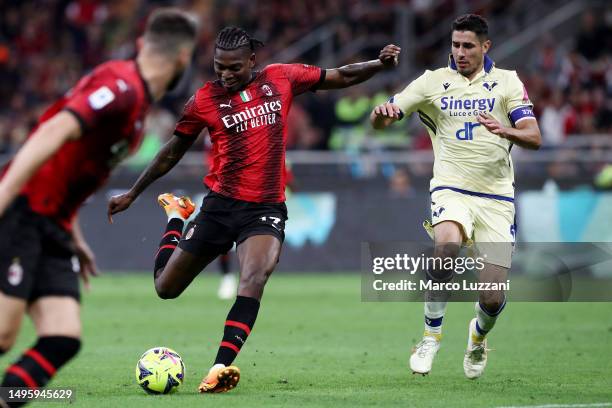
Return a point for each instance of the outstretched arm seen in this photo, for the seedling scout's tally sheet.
(46, 140)
(353, 74)
(166, 159)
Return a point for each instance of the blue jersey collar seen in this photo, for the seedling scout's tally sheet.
(488, 63)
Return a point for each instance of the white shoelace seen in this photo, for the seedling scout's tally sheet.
(478, 350)
(425, 346)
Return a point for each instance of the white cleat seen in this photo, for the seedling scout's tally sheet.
(228, 287)
(423, 355)
(475, 359)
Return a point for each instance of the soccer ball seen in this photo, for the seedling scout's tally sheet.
(160, 370)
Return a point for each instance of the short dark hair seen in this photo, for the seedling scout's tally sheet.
(168, 28)
(232, 38)
(474, 23)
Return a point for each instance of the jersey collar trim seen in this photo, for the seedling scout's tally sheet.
(488, 63)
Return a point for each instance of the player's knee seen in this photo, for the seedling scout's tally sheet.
(164, 290)
(492, 302)
(166, 293)
(447, 250)
(439, 274)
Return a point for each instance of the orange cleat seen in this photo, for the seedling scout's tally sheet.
(176, 207)
(220, 379)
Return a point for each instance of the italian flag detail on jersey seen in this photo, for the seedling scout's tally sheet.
(245, 96)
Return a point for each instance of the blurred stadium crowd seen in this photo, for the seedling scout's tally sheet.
(46, 45)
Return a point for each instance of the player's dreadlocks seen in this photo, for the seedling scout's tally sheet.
(232, 38)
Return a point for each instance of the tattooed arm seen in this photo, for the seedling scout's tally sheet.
(164, 161)
(353, 74)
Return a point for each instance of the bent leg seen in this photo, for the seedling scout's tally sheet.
(179, 272)
(181, 258)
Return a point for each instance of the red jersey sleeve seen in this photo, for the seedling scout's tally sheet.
(303, 77)
(101, 99)
(190, 124)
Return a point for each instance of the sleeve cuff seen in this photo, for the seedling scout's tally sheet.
(401, 114)
(79, 119)
(519, 113)
(184, 135)
(320, 81)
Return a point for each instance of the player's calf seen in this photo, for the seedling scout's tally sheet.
(253, 282)
(38, 365)
(178, 209)
(490, 303)
(168, 243)
(238, 325)
(488, 310)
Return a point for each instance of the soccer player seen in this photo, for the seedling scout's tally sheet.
(474, 114)
(245, 112)
(67, 157)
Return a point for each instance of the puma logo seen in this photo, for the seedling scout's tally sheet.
(226, 105)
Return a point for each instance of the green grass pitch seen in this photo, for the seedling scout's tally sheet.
(316, 344)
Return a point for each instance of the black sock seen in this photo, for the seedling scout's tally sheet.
(2, 351)
(39, 364)
(224, 261)
(238, 326)
(174, 231)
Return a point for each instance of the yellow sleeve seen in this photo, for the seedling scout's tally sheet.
(412, 97)
(518, 105)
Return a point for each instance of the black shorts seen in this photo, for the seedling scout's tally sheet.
(223, 220)
(36, 256)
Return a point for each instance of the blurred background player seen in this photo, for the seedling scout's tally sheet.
(474, 114)
(229, 281)
(245, 112)
(69, 155)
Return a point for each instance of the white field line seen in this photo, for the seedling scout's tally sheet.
(593, 405)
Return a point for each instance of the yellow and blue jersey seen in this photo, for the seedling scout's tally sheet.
(468, 158)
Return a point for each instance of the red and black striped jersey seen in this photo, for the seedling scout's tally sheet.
(111, 104)
(248, 130)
